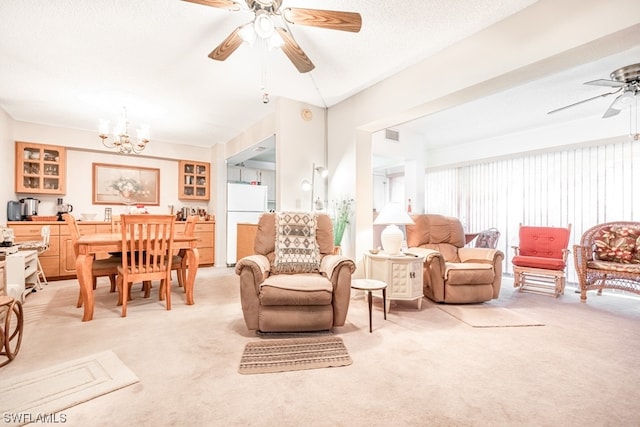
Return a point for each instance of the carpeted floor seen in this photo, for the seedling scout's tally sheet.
(420, 367)
(52, 390)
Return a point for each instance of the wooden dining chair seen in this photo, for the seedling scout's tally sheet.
(147, 247)
(179, 261)
(107, 267)
(115, 223)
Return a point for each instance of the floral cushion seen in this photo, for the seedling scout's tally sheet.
(618, 243)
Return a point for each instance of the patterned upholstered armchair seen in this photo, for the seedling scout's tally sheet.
(453, 273)
(294, 283)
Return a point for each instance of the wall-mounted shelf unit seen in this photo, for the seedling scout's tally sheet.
(40, 169)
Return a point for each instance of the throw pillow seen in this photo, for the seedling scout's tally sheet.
(296, 248)
(618, 244)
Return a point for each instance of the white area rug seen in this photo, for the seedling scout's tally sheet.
(35, 396)
(482, 316)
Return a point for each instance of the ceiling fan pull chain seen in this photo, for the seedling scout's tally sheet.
(633, 126)
(263, 76)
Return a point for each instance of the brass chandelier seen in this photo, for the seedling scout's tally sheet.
(121, 139)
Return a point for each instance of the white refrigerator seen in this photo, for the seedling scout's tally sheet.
(245, 204)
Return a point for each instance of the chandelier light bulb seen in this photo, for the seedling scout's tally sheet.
(121, 141)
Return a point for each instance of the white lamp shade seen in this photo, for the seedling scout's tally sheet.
(393, 213)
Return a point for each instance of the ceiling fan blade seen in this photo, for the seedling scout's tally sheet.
(222, 4)
(331, 19)
(605, 82)
(228, 46)
(612, 111)
(583, 101)
(294, 52)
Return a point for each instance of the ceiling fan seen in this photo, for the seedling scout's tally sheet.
(267, 14)
(625, 79)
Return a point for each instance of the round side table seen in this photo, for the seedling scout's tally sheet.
(370, 285)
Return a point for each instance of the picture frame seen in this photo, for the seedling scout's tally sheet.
(125, 185)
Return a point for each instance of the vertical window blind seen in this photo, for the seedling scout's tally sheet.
(580, 186)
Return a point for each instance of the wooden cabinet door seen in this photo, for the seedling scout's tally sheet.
(40, 169)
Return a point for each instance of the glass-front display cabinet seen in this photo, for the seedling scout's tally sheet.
(40, 169)
(194, 180)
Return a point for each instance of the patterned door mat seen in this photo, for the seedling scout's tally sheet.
(293, 355)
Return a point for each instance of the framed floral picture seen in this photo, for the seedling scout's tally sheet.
(125, 185)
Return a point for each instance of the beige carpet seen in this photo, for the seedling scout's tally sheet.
(35, 396)
(483, 316)
(420, 367)
(293, 355)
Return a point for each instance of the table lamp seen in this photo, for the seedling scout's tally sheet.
(391, 237)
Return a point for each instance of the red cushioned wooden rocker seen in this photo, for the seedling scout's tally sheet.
(540, 259)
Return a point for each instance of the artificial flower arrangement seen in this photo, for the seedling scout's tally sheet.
(342, 212)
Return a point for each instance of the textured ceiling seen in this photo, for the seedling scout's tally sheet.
(69, 63)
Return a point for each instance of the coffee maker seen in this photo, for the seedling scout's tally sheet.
(63, 208)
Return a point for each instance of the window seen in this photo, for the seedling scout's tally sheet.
(582, 186)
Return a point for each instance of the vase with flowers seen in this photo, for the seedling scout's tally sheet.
(342, 212)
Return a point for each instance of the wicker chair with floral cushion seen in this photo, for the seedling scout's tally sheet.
(608, 256)
(293, 282)
(540, 260)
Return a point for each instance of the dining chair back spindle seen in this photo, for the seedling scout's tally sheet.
(147, 242)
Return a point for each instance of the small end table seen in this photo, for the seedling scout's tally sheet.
(370, 285)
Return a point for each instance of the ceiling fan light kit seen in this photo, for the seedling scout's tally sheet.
(267, 14)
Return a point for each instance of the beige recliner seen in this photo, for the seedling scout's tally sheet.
(293, 296)
(453, 273)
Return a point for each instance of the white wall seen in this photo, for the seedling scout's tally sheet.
(299, 144)
(83, 149)
(7, 150)
(509, 53)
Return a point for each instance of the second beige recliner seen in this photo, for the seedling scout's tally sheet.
(453, 273)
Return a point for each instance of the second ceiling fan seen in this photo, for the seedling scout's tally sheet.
(625, 80)
(267, 13)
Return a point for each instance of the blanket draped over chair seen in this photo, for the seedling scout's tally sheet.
(295, 247)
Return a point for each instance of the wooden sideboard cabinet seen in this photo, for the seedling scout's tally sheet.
(59, 261)
(205, 232)
(193, 178)
(40, 169)
(28, 231)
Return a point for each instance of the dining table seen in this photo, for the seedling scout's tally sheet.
(91, 244)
